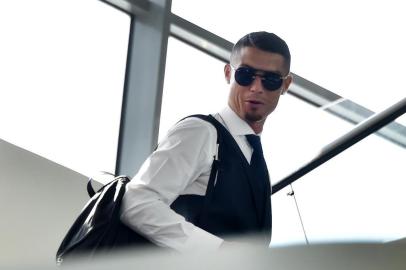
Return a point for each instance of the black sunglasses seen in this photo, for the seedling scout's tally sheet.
(271, 81)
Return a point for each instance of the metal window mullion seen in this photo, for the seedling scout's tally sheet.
(143, 87)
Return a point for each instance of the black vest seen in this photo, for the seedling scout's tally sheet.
(234, 204)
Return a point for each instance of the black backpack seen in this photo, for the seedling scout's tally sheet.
(98, 227)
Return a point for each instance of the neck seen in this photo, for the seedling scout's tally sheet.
(257, 126)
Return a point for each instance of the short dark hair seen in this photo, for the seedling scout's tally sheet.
(264, 41)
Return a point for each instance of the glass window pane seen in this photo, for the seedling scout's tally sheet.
(194, 84)
(62, 74)
(352, 48)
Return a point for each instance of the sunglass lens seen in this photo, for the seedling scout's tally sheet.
(272, 82)
(244, 76)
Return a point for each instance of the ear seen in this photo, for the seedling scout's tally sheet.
(227, 73)
(286, 84)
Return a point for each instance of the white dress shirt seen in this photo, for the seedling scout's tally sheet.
(180, 165)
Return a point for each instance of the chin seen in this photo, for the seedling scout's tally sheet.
(253, 117)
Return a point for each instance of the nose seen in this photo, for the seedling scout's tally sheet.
(256, 85)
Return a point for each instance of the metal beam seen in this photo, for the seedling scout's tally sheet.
(200, 38)
(132, 7)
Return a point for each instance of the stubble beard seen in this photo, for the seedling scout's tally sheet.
(254, 118)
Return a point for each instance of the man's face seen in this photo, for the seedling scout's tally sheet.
(253, 103)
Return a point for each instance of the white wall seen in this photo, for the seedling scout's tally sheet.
(39, 200)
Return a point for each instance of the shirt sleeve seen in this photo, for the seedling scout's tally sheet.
(184, 154)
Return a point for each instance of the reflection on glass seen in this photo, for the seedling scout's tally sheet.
(62, 66)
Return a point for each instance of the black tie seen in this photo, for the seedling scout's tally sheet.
(259, 170)
(257, 159)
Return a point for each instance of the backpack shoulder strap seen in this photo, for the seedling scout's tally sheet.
(209, 118)
(216, 165)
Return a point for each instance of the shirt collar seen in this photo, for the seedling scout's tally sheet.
(235, 125)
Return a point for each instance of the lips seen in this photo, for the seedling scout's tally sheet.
(255, 102)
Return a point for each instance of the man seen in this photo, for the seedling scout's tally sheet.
(207, 180)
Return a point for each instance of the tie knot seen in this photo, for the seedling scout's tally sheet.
(255, 142)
